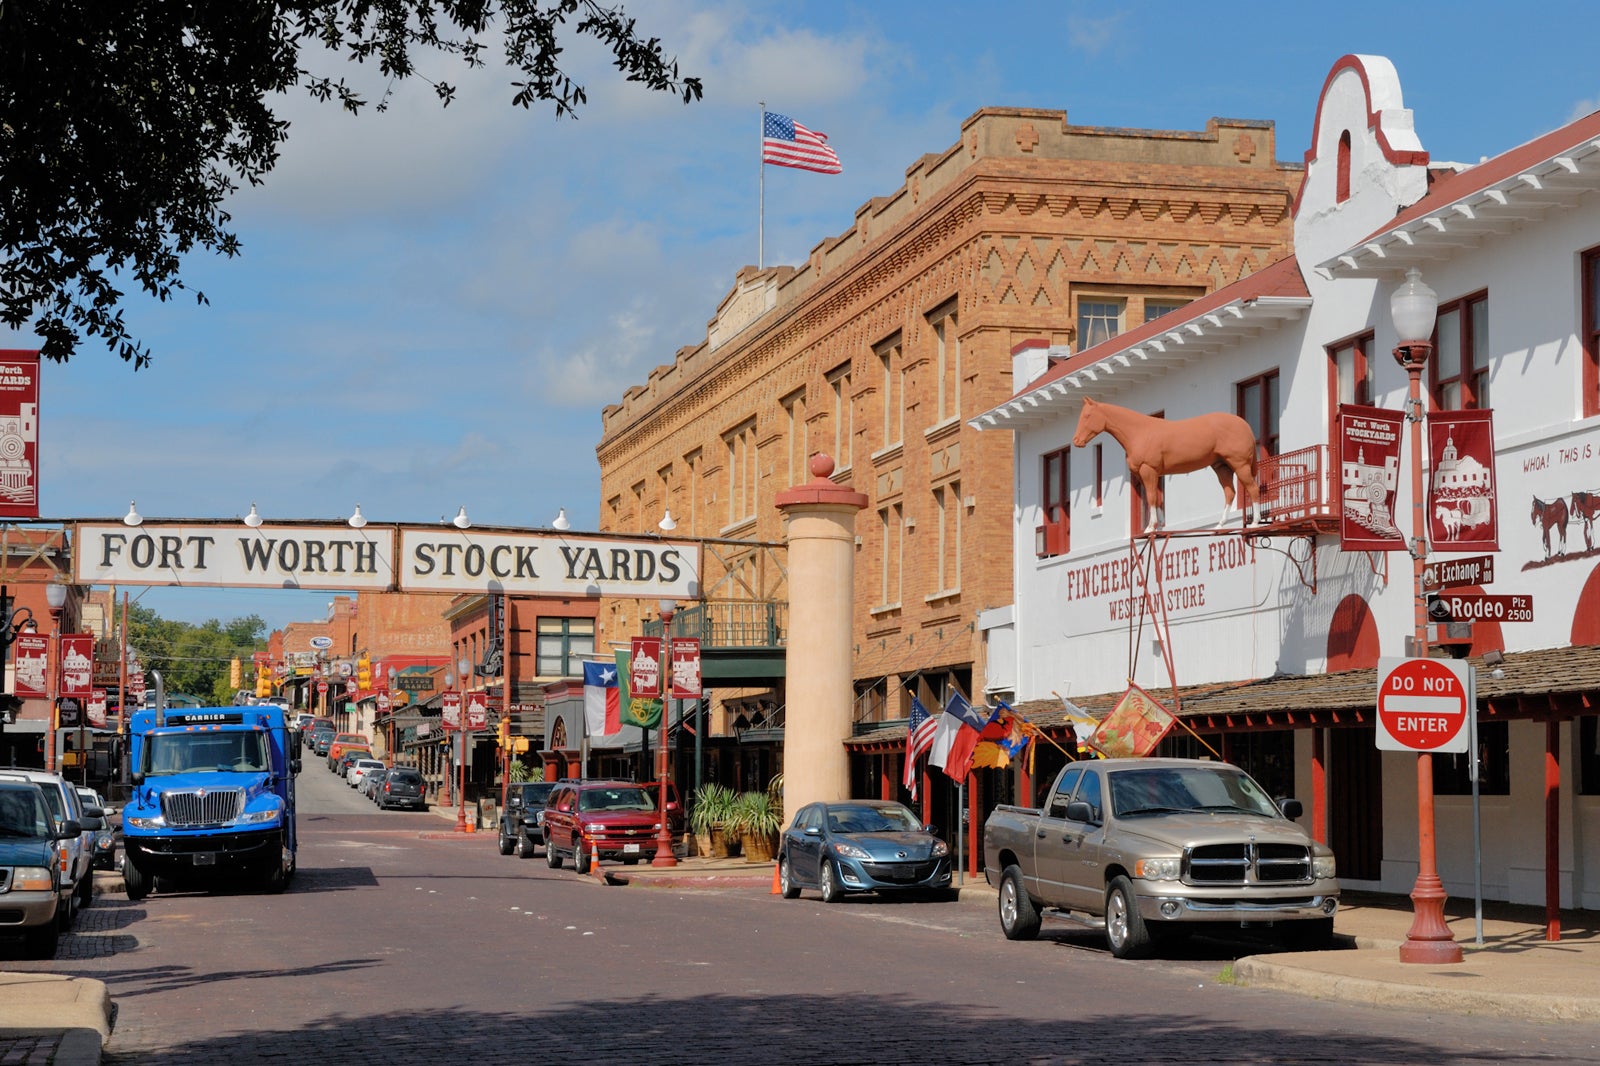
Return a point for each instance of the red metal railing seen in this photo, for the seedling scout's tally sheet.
(1295, 489)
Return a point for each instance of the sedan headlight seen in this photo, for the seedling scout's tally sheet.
(155, 821)
(31, 879)
(103, 842)
(849, 851)
(1158, 869)
(1322, 867)
(257, 817)
(940, 849)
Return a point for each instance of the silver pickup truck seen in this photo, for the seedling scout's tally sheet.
(1150, 848)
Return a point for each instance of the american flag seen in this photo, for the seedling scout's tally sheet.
(919, 738)
(786, 143)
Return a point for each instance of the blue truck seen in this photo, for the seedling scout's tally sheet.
(213, 797)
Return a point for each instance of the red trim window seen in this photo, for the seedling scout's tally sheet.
(1341, 189)
(1349, 379)
(1054, 536)
(1099, 476)
(1257, 400)
(1460, 363)
(1591, 332)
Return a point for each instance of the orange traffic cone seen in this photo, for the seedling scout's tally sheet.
(777, 881)
(594, 861)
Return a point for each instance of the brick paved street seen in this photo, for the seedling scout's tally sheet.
(398, 943)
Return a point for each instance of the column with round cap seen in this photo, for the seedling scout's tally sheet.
(821, 518)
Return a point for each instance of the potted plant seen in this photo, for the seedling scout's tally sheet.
(758, 820)
(708, 820)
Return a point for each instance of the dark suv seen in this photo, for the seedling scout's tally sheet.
(522, 821)
(402, 787)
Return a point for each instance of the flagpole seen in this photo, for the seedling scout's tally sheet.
(761, 191)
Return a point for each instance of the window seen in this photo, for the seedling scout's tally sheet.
(1054, 504)
(794, 412)
(664, 489)
(1341, 179)
(1057, 807)
(1460, 364)
(1154, 309)
(1589, 755)
(891, 524)
(1257, 399)
(1098, 320)
(947, 558)
(1099, 476)
(1590, 335)
(691, 464)
(844, 416)
(741, 445)
(636, 497)
(947, 363)
(1352, 371)
(893, 389)
(1494, 764)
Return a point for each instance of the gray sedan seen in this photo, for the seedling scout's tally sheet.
(861, 846)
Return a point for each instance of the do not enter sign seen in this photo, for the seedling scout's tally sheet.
(1423, 704)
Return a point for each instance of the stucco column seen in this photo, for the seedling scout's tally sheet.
(821, 519)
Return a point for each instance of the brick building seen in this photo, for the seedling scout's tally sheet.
(878, 349)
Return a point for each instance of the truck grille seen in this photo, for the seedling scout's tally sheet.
(1239, 864)
(202, 806)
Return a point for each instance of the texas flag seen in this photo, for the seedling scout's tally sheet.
(602, 702)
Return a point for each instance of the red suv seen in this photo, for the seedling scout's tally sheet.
(616, 819)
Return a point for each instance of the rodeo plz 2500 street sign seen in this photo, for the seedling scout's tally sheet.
(379, 558)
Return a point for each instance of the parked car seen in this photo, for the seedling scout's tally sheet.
(343, 742)
(78, 850)
(611, 819)
(321, 738)
(349, 755)
(370, 782)
(522, 819)
(860, 846)
(402, 787)
(358, 769)
(32, 894)
(106, 833)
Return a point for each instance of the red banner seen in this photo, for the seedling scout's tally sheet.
(77, 666)
(1369, 474)
(685, 668)
(450, 710)
(19, 434)
(644, 674)
(1463, 510)
(97, 708)
(32, 654)
(477, 711)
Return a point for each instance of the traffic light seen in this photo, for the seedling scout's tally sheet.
(364, 674)
(263, 681)
(235, 673)
(505, 732)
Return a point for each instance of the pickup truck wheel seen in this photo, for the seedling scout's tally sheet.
(1313, 934)
(1019, 918)
(829, 877)
(786, 880)
(134, 880)
(506, 844)
(1125, 928)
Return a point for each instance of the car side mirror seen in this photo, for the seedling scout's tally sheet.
(93, 812)
(672, 805)
(68, 828)
(294, 766)
(1079, 811)
(93, 823)
(813, 830)
(137, 777)
(931, 829)
(1291, 808)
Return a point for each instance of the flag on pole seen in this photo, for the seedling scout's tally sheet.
(957, 735)
(919, 738)
(634, 711)
(786, 143)
(602, 700)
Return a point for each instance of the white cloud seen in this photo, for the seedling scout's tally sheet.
(1092, 35)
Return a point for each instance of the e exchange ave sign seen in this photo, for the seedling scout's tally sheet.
(384, 558)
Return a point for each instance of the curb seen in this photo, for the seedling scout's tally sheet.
(79, 1005)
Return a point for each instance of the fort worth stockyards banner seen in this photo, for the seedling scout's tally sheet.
(1369, 474)
(1463, 512)
(19, 434)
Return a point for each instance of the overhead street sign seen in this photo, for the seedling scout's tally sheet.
(1456, 573)
(1423, 704)
(1483, 607)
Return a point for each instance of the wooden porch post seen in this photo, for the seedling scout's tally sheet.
(1552, 830)
(1319, 786)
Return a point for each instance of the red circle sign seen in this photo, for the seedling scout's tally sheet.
(1422, 704)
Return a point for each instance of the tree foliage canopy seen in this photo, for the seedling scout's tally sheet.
(194, 658)
(124, 127)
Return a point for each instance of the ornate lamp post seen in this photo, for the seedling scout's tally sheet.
(55, 596)
(461, 738)
(664, 855)
(393, 673)
(1413, 307)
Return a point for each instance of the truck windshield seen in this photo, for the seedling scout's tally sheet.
(1163, 789)
(183, 753)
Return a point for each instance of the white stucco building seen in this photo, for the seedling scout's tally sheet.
(1277, 632)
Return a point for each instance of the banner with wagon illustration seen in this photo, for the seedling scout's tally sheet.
(1462, 507)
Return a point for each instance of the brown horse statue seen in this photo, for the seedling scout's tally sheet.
(1156, 447)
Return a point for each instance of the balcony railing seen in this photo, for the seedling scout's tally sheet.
(1295, 489)
(730, 624)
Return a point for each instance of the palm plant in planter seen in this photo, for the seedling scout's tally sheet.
(757, 818)
(708, 820)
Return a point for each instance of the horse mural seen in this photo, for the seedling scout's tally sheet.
(1586, 506)
(1155, 447)
(1551, 515)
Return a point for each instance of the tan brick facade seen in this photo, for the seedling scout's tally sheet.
(878, 349)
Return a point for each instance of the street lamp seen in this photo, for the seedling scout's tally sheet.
(55, 597)
(461, 736)
(1413, 307)
(664, 855)
(393, 673)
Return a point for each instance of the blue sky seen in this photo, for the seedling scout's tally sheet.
(433, 306)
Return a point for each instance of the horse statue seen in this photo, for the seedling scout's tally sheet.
(1156, 447)
(1551, 515)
